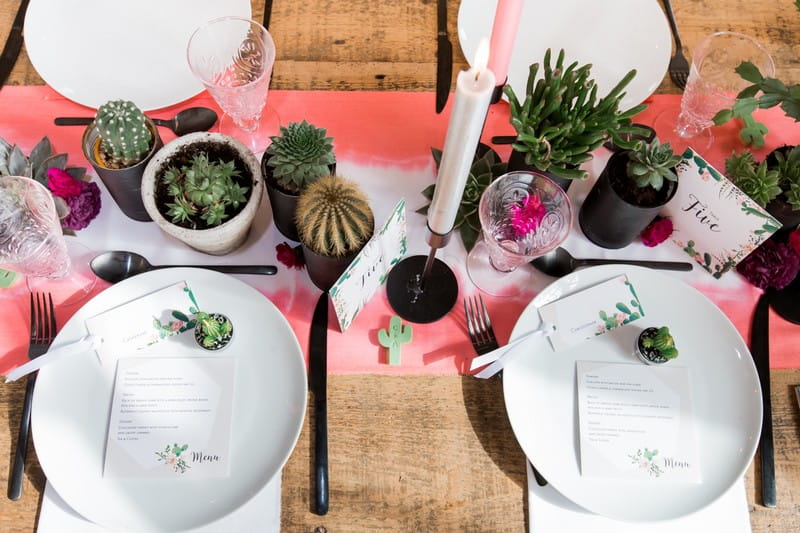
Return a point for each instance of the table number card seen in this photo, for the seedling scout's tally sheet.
(715, 222)
(368, 270)
(636, 422)
(171, 417)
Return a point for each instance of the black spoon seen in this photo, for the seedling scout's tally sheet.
(118, 265)
(559, 263)
(187, 121)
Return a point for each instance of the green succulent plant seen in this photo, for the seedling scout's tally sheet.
(485, 169)
(14, 162)
(125, 138)
(300, 155)
(756, 180)
(787, 165)
(211, 328)
(204, 190)
(662, 342)
(333, 217)
(649, 164)
(561, 121)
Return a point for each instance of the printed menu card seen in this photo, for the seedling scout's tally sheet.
(171, 417)
(636, 422)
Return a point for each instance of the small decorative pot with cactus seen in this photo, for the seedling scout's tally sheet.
(204, 189)
(335, 222)
(118, 144)
(298, 157)
(213, 331)
(629, 193)
(656, 346)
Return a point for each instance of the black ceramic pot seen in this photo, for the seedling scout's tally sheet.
(324, 270)
(650, 356)
(124, 184)
(516, 161)
(610, 221)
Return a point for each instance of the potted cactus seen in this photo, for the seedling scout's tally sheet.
(629, 193)
(656, 346)
(298, 157)
(204, 189)
(561, 120)
(118, 144)
(335, 222)
(212, 331)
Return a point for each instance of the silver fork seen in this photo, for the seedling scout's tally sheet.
(43, 329)
(678, 65)
(479, 326)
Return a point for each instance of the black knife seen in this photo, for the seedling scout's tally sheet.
(13, 44)
(267, 13)
(444, 57)
(318, 382)
(759, 348)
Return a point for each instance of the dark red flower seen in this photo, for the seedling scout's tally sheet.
(62, 184)
(794, 241)
(772, 264)
(290, 257)
(83, 207)
(657, 232)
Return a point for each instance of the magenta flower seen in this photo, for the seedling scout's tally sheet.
(62, 184)
(794, 241)
(526, 217)
(657, 232)
(772, 264)
(291, 257)
(83, 207)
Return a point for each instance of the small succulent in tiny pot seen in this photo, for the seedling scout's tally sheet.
(213, 331)
(656, 346)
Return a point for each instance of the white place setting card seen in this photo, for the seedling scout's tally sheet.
(171, 417)
(635, 423)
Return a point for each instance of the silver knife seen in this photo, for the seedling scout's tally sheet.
(318, 381)
(13, 44)
(444, 57)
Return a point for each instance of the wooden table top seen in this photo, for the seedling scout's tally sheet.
(443, 457)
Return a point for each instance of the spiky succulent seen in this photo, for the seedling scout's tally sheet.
(300, 155)
(756, 180)
(485, 169)
(561, 120)
(662, 342)
(14, 162)
(125, 137)
(203, 190)
(649, 164)
(334, 217)
(787, 164)
(211, 328)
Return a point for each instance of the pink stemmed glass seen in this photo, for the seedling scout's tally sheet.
(523, 215)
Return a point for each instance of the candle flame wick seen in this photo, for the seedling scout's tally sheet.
(481, 57)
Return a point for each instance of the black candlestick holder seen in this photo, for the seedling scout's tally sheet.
(423, 289)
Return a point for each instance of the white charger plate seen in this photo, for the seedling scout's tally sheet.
(541, 396)
(92, 51)
(72, 403)
(613, 35)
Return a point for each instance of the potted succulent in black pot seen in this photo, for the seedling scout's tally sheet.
(629, 193)
(212, 331)
(335, 222)
(561, 121)
(119, 143)
(298, 157)
(204, 189)
(656, 346)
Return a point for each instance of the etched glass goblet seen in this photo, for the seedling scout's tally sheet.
(233, 58)
(523, 215)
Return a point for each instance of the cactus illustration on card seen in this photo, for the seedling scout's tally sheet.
(644, 460)
(622, 314)
(393, 339)
(171, 456)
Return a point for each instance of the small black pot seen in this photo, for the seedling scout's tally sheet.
(610, 221)
(516, 161)
(650, 356)
(124, 184)
(325, 270)
(219, 343)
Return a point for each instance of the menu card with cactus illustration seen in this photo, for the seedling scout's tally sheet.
(592, 312)
(714, 222)
(171, 417)
(635, 422)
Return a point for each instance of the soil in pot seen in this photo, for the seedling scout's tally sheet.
(183, 157)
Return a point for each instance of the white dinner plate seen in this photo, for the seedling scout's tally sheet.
(72, 403)
(613, 35)
(541, 396)
(92, 51)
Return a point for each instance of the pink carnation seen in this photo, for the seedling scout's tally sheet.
(526, 217)
(291, 257)
(657, 232)
(62, 184)
(83, 207)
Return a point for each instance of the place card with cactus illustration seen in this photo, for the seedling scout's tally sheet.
(714, 221)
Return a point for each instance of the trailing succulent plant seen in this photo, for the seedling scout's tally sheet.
(561, 121)
(485, 169)
(203, 190)
(756, 180)
(125, 137)
(300, 155)
(333, 217)
(662, 342)
(649, 164)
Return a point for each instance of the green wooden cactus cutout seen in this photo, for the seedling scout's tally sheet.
(393, 339)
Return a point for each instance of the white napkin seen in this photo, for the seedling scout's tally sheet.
(262, 514)
(550, 512)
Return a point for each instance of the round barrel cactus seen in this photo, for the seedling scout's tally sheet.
(125, 137)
